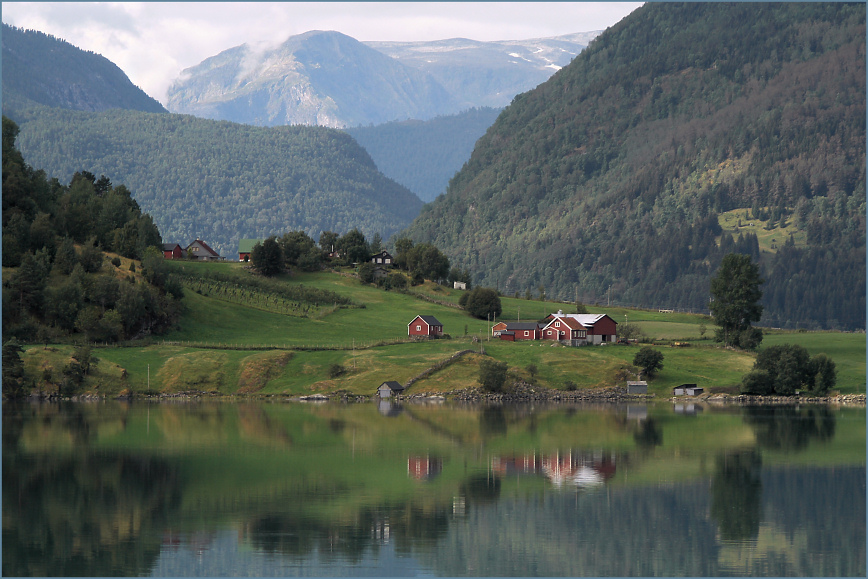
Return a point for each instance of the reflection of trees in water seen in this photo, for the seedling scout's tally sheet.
(648, 434)
(790, 427)
(407, 526)
(93, 515)
(736, 494)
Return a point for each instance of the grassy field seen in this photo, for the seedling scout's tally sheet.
(232, 349)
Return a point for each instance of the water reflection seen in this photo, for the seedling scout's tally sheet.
(131, 489)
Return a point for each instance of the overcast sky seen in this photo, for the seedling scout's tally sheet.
(153, 42)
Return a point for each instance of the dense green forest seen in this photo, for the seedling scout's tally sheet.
(606, 182)
(423, 155)
(52, 72)
(57, 280)
(221, 181)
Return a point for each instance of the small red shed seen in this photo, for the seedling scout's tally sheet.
(172, 251)
(427, 326)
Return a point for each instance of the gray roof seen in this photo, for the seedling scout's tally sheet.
(393, 386)
(430, 320)
(522, 326)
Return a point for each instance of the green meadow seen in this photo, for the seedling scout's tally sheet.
(233, 349)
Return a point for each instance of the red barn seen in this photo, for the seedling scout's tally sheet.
(427, 326)
(172, 251)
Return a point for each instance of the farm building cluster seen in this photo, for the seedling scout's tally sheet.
(198, 250)
(570, 329)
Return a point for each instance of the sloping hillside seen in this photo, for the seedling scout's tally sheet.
(606, 182)
(49, 71)
(222, 181)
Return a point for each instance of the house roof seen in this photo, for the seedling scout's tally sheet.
(517, 326)
(430, 320)
(246, 245)
(204, 246)
(393, 386)
(170, 246)
(586, 320)
(383, 253)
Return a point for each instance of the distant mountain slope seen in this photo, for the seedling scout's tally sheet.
(608, 180)
(316, 78)
(424, 155)
(489, 74)
(330, 79)
(49, 71)
(222, 181)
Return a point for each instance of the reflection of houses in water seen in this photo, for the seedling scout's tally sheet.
(199, 541)
(424, 467)
(687, 408)
(388, 408)
(578, 469)
(380, 530)
(637, 412)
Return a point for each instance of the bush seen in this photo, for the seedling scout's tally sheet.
(570, 386)
(482, 303)
(649, 360)
(786, 368)
(757, 382)
(492, 375)
(336, 370)
(116, 261)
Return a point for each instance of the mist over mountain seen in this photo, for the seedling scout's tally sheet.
(327, 78)
(684, 132)
(52, 72)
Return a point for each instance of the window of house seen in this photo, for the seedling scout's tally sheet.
(527, 333)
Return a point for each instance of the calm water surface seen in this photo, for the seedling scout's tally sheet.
(224, 489)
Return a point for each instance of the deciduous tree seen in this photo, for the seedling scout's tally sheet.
(735, 292)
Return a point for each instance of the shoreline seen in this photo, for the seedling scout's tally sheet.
(524, 393)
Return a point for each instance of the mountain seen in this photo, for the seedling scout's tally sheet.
(488, 74)
(221, 181)
(49, 71)
(330, 79)
(682, 133)
(423, 155)
(316, 78)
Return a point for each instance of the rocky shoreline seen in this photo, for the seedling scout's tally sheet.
(519, 393)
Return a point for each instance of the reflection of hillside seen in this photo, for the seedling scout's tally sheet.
(577, 469)
(258, 428)
(93, 515)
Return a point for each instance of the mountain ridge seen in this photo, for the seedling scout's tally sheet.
(331, 79)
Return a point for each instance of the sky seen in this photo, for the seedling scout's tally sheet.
(153, 42)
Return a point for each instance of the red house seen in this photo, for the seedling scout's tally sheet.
(514, 331)
(172, 251)
(591, 328)
(426, 326)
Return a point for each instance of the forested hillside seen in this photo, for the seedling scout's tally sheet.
(222, 181)
(57, 280)
(54, 73)
(610, 180)
(424, 155)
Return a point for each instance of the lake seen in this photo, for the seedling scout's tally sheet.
(195, 488)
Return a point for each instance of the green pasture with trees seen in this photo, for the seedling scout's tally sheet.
(232, 348)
